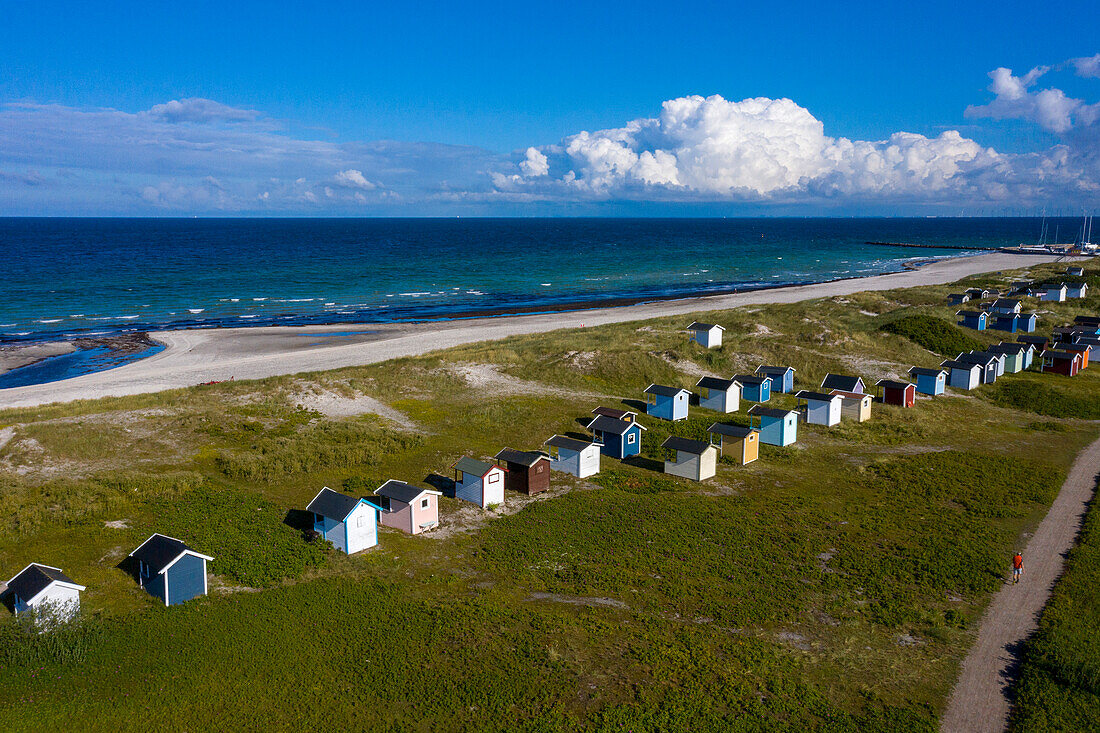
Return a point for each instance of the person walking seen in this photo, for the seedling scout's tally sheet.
(1017, 567)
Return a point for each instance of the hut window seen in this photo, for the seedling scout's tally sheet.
(631, 439)
(359, 521)
(144, 569)
(494, 477)
(424, 503)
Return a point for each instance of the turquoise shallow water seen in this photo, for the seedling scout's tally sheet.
(77, 277)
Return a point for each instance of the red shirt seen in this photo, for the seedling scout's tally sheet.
(1018, 561)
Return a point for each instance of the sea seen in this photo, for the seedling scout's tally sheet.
(64, 279)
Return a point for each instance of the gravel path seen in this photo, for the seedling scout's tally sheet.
(980, 701)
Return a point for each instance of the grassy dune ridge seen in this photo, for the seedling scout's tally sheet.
(831, 585)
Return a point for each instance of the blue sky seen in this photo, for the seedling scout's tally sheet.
(284, 100)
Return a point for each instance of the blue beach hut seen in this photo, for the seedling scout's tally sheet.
(962, 375)
(973, 319)
(170, 570)
(350, 524)
(754, 388)
(929, 381)
(617, 438)
(668, 403)
(782, 377)
(776, 427)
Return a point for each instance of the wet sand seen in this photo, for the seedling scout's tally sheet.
(198, 356)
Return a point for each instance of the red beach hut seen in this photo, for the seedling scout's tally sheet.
(903, 394)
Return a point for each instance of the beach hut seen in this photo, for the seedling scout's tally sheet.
(626, 415)
(1077, 290)
(1006, 306)
(958, 298)
(723, 395)
(408, 508)
(1013, 322)
(1029, 355)
(855, 405)
(821, 409)
(573, 456)
(1075, 271)
(988, 363)
(972, 319)
(1087, 321)
(979, 293)
(349, 523)
(1055, 292)
(754, 388)
(478, 482)
(1013, 354)
(46, 592)
(525, 471)
(667, 403)
(170, 570)
(707, 335)
(1067, 334)
(842, 383)
(742, 443)
(1066, 363)
(782, 377)
(929, 381)
(776, 427)
(1040, 343)
(691, 459)
(962, 375)
(1026, 322)
(902, 394)
(1079, 348)
(616, 438)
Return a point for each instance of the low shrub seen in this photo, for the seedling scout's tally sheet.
(935, 334)
(246, 534)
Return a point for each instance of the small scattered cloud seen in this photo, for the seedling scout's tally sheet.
(534, 163)
(200, 111)
(1087, 66)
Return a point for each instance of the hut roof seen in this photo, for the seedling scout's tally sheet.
(893, 384)
(611, 425)
(843, 382)
(733, 431)
(697, 326)
(780, 370)
(660, 389)
(472, 466)
(971, 314)
(615, 413)
(332, 504)
(953, 364)
(763, 411)
(926, 372)
(1060, 355)
(522, 457)
(716, 383)
(752, 379)
(160, 551)
(402, 492)
(1005, 303)
(698, 447)
(1007, 347)
(806, 394)
(561, 441)
(35, 578)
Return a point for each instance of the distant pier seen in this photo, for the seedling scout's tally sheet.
(924, 246)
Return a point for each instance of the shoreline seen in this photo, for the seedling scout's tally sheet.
(196, 356)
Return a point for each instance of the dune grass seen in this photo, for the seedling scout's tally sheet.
(831, 585)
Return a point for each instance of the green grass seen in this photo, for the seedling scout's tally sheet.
(934, 334)
(1046, 395)
(773, 596)
(1059, 685)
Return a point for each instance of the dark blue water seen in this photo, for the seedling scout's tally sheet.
(75, 277)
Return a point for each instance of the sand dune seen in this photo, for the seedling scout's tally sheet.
(194, 357)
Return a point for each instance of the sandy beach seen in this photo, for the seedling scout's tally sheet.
(198, 356)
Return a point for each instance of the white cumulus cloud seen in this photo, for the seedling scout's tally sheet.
(534, 164)
(199, 110)
(352, 178)
(1051, 109)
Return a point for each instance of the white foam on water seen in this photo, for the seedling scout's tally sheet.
(195, 310)
(49, 320)
(259, 299)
